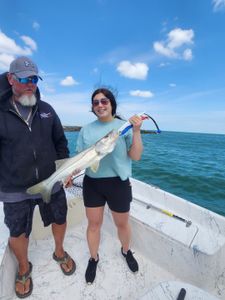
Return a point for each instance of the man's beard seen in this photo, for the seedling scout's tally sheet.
(27, 100)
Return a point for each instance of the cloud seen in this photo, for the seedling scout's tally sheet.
(187, 54)
(173, 46)
(5, 60)
(29, 42)
(172, 85)
(36, 25)
(144, 94)
(163, 64)
(9, 49)
(164, 50)
(9, 46)
(178, 37)
(95, 71)
(133, 70)
(218, 5)
(68, 81)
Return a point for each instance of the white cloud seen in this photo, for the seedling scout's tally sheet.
(29, 42)
(139, 93)
(179, 37)
(9, 46)
(36, 25)
(9, 49)
(172, 85)
(133, 70)
(187, 54)
(173, 46)
(164, 50)
(95, 70)
(5, 60)
(68, 81)
(218, 5)
(163, 64)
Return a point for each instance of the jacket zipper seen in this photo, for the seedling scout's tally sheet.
(29, 127)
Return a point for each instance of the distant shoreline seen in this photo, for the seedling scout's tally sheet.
(72, 128)
(78, 128)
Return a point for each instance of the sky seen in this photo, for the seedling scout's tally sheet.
(165, 58)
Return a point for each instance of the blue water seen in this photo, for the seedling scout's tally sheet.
(189, 165)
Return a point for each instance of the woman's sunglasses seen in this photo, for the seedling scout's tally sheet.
(103, 101)
(32, 79)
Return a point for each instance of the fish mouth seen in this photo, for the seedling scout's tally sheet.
(113, 135)
(107, 142)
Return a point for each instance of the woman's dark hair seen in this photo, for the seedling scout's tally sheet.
(109, 95)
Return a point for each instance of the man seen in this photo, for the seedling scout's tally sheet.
(31, 139)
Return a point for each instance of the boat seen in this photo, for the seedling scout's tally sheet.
(180, 248)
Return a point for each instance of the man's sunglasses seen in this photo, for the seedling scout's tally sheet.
(103, 101)
(32, 79)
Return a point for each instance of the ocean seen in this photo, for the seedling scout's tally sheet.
(189, 165)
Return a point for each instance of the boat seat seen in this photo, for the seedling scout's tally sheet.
(169, 290)
(164, 224)
(195, 236)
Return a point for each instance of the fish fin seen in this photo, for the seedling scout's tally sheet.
(40, 188)
(95, 166)
(60, 162)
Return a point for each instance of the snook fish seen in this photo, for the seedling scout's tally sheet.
(65, 167)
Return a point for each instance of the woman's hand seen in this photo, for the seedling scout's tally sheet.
(136, 147)
(136, 121)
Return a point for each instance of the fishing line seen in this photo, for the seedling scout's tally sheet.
(78, 184)
(123, 129)
(156, 125)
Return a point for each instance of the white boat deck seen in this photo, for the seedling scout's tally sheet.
(170, 254)
(113, 279)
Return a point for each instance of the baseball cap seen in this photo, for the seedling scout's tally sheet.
(23, 67)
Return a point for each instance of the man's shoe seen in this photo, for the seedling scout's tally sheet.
(131, 261)
(91, 270)
(22, 279)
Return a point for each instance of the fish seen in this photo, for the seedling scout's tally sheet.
(67, 167)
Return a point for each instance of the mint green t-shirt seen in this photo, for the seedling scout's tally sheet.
(116, 163)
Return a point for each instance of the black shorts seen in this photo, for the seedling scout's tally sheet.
(113, 191)
(19, 215)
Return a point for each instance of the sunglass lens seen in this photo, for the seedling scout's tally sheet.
(102, 101)
(33, 80)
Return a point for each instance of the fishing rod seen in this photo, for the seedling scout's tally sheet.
(164, 211)
(125, 127)
(122, 130)
(147, 205)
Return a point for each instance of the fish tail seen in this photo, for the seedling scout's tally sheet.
(40, 188)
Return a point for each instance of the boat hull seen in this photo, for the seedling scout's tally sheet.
(171, 254)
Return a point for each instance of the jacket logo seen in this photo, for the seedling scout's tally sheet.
(45, 115)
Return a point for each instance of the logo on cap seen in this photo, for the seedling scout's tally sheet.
(26, 63)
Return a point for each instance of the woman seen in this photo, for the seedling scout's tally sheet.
(111, 182)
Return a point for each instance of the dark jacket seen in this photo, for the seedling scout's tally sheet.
(27, 155)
